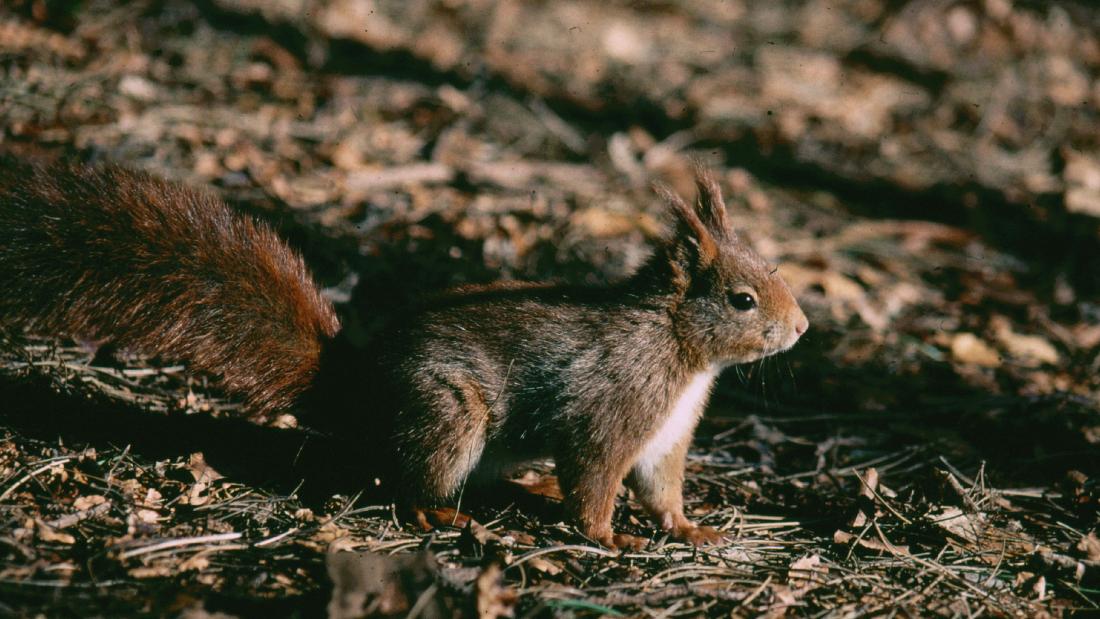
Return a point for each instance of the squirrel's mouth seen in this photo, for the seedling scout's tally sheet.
(788, 342)
(792, 339)
(770, 350)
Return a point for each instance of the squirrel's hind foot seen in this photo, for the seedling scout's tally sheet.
(698, 535)
(621, 541)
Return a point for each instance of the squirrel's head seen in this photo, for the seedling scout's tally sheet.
(731, 305)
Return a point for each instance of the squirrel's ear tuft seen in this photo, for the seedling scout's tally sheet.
(697, 231)
(709, 203)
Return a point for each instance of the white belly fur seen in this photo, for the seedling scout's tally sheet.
(681, 420)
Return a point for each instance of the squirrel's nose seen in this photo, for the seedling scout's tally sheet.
(802, 324)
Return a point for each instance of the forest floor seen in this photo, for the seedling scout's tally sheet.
(927, 174)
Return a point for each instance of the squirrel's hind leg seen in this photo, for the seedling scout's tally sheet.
(658, 484)
(440, 437)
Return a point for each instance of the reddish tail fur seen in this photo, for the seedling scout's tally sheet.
(112, 255)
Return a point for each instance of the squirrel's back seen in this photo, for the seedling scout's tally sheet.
(112, 255)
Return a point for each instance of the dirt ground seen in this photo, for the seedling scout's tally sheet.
(926, 173)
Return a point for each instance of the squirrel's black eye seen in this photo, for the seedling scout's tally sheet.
(742, 301)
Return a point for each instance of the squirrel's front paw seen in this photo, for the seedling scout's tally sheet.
(697, 535)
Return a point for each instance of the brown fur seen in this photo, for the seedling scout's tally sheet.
(476, 381)
(111, 255)
(485, 378)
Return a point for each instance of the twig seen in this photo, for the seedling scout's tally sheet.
(29, 476)
(71, 519)
(968, 502)
(177, 543)
(878, 497)
(567, 547)
(275, 538)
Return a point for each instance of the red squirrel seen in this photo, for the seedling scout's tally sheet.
(609, 381)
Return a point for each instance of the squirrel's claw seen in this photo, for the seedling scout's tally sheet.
(624, 541)
(621, 541)
(699, 536)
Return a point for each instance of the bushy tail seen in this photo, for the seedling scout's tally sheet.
(113, 255)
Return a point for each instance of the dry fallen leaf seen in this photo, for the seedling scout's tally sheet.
(197, 563)
(150, 571)
(196, 495)
(871, 543)
(521, 537)
(1027, 350)
(332, 538)
(83, 503)
(47, 533)
(544, 565)
(603, 223)
(806, 573)
(1089, 546)
(200, 470)
(783, 598)
(540, 485)
(369, 584)
(957, 523)
(1082, 176)
(970, 349)
(494, 598)
(147, 516)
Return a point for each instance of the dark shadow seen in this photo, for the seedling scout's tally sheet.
(267, 457)
(343, 452)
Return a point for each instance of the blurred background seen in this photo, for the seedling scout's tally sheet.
(926, 173)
